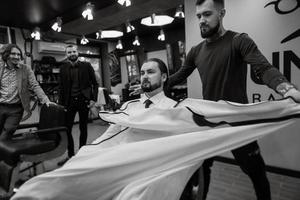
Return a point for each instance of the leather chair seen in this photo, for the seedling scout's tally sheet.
(48, 141)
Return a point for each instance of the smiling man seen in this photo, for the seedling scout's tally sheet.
(16, 82)
(78, 93)
(221, 60)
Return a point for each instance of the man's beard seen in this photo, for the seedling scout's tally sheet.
(73, 58)
(148, 87)
(210, 32)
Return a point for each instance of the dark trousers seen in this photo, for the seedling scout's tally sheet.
(251, 162)
(10, 117)
(77, 104)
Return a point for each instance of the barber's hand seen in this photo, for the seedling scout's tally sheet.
(294, 93)
(92, 103)
(136, 90)
(50, 103)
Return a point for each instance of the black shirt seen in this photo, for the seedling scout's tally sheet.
(75, 88)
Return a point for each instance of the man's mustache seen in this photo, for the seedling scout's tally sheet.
(145, 81)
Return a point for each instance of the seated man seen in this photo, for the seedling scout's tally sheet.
(154, 74)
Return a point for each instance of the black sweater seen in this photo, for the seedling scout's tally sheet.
(222, 65)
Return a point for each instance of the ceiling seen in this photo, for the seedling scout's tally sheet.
(108, 14)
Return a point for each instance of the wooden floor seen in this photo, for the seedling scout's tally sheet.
(228, 181)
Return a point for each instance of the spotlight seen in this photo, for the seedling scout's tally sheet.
(129, 27)
(136, 41)
(88, 12)
(179, 12)
(119, 45)
(126, 2)
(161, 36)
(84, 40)
(99, 35)
(36, 34)
(57, 25)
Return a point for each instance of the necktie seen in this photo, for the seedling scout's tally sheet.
(147, 103)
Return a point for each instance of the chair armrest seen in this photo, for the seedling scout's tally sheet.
(49, 130)
(34, 133)
(24, 126)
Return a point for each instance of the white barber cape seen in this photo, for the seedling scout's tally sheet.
(160, 166)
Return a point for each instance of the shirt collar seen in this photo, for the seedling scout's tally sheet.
(15, 66)
(155, 99)
(73, 63)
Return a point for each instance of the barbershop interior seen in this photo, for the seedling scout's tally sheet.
(117, 39)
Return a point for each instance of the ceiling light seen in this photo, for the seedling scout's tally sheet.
(179, 12)
(136, 41)
(57, 25)
(129, 27)
(111, 34)
(126, 2)
(88, 12)
(157, 20)
(84, 40)
(119, 45)
(161, 36)
(36, 34)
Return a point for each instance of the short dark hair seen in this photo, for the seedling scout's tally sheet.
(70, 46)
(6, 50)
(218, 2)
(162, 66)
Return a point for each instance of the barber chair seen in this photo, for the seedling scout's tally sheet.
(106, 101)
(48, 141)
(194, 189)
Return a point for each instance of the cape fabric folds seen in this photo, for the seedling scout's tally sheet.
(162, 148)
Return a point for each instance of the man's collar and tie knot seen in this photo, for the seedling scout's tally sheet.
(147, 103)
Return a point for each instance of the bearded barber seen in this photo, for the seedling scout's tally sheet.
(221, 59)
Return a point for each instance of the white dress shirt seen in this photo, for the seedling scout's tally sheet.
(133, 107)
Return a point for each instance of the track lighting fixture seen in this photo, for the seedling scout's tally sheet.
(126, 2)
(99, 35)
(36, 34)
(57, 24)
(179, 12)
(84, 40)
(136, 41)
(88, 12)
(129, 27)
(161, 36)
(119, 45)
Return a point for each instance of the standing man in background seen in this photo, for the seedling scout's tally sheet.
(17, 81)
(78, 93)
(221, 60)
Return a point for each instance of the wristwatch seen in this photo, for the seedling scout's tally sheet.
(283, 88)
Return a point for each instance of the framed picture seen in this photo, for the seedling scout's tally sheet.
(133, 69)
(115, 69)
(176, 56)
